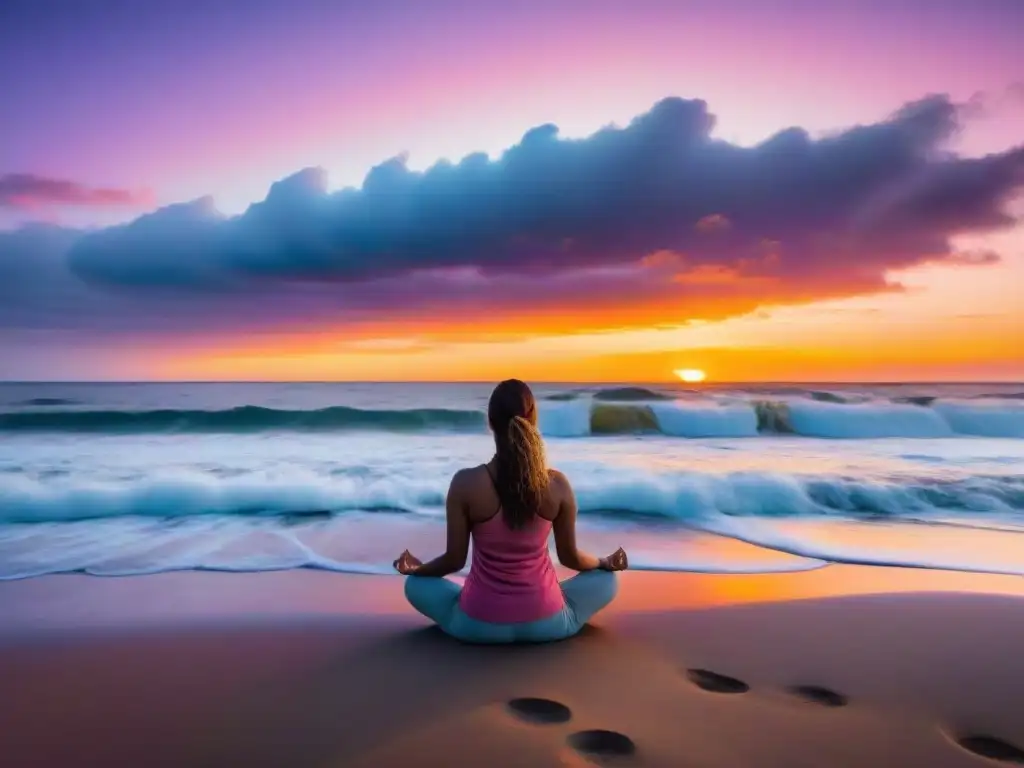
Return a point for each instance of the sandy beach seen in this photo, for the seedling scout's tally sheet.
(300, 297)
(839, 667)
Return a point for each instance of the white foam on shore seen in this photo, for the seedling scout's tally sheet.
(133, 550)
(364, 542)
(129, 504)
(365, 545)
(819, 544)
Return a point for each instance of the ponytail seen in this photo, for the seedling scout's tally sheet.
(522, 475)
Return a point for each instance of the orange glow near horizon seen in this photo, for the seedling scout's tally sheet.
(532, 361)
(948, 324)
(935, 331)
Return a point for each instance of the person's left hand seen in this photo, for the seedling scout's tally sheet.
(407, 563)
(616, 561)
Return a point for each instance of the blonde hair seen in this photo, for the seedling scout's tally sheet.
(521, 477)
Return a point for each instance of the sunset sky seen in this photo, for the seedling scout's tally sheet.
(569, 190)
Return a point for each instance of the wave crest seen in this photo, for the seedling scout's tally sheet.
(629, 394)
(199, 520)
(248, 418)
(683, 496)
(579, 417)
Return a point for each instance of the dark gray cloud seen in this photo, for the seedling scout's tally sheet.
(654, 218)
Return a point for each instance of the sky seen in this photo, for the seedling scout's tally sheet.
(565, 191)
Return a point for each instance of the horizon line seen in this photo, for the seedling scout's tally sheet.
(688, 385)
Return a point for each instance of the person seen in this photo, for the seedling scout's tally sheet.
(509, 508)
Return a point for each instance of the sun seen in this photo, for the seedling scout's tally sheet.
(690, 375)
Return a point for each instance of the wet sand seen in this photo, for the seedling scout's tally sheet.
(839, 667)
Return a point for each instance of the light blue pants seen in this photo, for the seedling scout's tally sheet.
(585, 594)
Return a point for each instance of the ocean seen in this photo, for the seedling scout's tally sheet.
(122, 479)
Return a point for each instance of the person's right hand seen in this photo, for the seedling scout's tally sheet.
(616, 561)
(407, 563)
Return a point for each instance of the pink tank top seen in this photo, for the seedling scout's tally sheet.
(511, 578)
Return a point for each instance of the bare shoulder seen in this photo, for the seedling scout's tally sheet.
(467, 478)
(559, 483)
(463, 488)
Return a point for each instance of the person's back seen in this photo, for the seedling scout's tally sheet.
(511, 578)
(508, 508)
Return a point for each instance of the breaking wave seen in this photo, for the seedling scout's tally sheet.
(247, 418)
(808, 417)
(677, 497)
(349, 523)
(608, 412)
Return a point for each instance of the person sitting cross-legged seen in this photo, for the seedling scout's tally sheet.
(508, 508)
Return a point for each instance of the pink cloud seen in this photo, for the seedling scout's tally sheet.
(29, 191)
(653, 223)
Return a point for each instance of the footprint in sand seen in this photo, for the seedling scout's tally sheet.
(816, 694)
(716, 683)
(600, 743)
(540, 711)
(992, 748)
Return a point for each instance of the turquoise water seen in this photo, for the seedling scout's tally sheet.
(115, 479)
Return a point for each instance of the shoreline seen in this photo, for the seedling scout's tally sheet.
(362, 544)
(78, 601)
(310, 668)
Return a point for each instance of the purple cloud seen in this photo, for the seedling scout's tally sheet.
(27, 191)
(656, 219)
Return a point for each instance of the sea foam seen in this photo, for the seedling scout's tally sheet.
(678, 496)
